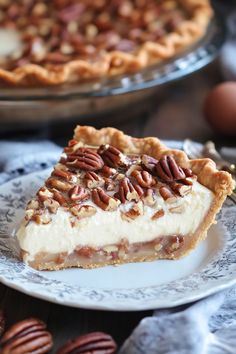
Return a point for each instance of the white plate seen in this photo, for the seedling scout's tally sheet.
(138, 286)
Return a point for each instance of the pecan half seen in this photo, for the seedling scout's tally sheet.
(107, 171)
(181, 189)
(59, 197)
(103, 200)
(148, 163)
(127, 191)
(144, 178)
(110, 185)
(66, 175)
(95, 342)
(60, 185)
(78, 193)
(167, 194)
(28, 336)
(83, 211)
(85, 159)
(112, 156)
(93, 180)
(168, 170)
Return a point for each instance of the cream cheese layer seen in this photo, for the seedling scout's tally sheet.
(107, 228)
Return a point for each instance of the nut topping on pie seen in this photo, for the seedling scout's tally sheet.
(75, 40)
(159, 205)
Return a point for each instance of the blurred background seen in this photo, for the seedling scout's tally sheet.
(177, 106)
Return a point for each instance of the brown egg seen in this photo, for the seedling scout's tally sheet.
(220, 108)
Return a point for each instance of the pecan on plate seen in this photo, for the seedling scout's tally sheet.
(93, 180)
(78, 193)
(95, 342)
(144, 178)
(85, 159)
(103, 200)
(28, 336)
(168, 170)
(112, 156)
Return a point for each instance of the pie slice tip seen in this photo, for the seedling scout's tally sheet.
(115, 199)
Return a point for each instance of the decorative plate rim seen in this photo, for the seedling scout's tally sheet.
(217, 275)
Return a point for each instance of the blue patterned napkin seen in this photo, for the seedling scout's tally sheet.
(205, 327)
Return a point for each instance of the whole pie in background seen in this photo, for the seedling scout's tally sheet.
(58, 41)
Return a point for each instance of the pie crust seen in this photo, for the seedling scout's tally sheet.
(202, 172)
(78, 68)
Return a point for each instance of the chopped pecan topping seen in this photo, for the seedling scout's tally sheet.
(134, 212)
(41, 218)
(93, 180)
(180, 189)
(27, 336)
(148, 197)
(168, 170)
(59, 197)
(144, 178)
(78, 193)
(60, 185)
(133, 168)
(85, 159)
(83, 211)
(103, 200)
(51, 205)
(107, 171)
(96, 342)
(179, 209)
(158, 214)
(32, 204)
(127, 191)
(167, 194)
(112, 156)
(66, 175)
(110, 185)
(148, 163)
(44, 194)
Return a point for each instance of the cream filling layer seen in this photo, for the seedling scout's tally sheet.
(106, 228)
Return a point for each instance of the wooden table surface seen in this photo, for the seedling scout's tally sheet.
(175, 113)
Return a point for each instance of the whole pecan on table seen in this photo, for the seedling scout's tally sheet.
(91, 343)
(28, 336)
(168, 170)
(85, 159)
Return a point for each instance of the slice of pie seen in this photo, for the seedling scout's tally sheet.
(114, 199)
(53, 42)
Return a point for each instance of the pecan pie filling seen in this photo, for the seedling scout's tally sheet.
(102, 206)
(55, 33)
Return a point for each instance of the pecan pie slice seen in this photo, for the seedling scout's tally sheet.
(53, 42)
(114, 199)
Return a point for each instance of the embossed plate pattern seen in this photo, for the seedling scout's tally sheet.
(139, 286)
